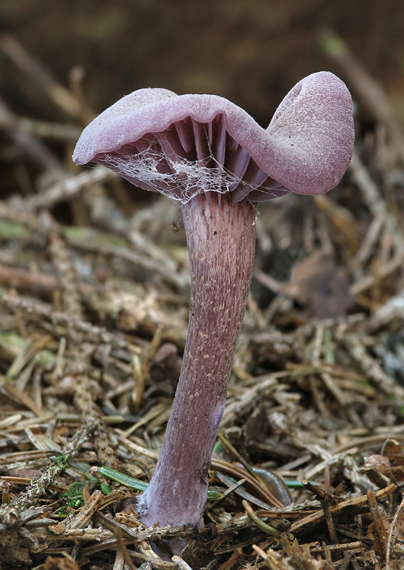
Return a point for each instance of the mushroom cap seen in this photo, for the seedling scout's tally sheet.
(182, 145)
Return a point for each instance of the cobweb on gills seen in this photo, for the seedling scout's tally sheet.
(158, 168)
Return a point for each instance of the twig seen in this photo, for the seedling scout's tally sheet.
(378, 524)
(368, 243)
(93, 333)
(398, 514)
(240, 473)
(63, 263)
(142, 371)
(28, 143)
(10, 514)
(392, 310)
(181, 564)
(61, 96)
(374, 201)
(384, 271)
(351, 546)
(48, 130)
(372, 368)
(123, 549)
(166, 267)
(85, 514)
(267, 385)
(316, 518)
(21, 280)
(66, 189)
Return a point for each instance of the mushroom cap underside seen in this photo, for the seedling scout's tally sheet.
(182, 145)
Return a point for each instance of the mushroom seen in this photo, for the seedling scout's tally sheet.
(217, 162)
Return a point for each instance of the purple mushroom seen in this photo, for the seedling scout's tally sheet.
(217, 162)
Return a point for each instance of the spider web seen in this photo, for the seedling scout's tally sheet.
(158, 168)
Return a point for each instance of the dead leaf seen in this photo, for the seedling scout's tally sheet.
(67, 563)
(318, 283)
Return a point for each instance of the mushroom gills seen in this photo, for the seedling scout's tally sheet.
(166, 162)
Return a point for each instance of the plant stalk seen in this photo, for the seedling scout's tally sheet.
(221, 242)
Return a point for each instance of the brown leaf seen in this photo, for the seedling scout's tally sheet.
(394, 451)
(52, 563)
(318, 283)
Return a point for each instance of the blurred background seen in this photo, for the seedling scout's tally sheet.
(251, 51)
(62, 62)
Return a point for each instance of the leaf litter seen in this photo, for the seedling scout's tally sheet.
(94, 304)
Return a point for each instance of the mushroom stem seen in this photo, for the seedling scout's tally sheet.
(221, 243)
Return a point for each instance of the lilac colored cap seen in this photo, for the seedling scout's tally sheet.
(182, 145)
